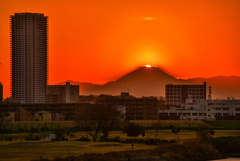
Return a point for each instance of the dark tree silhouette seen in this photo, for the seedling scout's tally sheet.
(112, 115)
(99, 118)
(133, 130)
(205, 132)
(4, 119)
(157, 126)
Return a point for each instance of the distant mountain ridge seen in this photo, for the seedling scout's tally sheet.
(151, 82)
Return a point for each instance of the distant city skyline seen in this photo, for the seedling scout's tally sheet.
(100, 41)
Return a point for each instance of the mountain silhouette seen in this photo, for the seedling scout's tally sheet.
(141, 82)
(151, 82)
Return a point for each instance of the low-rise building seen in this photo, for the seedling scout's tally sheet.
(23, 115)
(180, 94)
(7, 117)
(145, 108)
(43, 116)
(204, 110)
(62, 93)
(58, 117)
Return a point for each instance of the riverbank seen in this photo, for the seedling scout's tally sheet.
(192, 150)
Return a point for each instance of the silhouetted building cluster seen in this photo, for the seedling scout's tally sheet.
(32, 112)
(34, 100)
(188, 102)
(145, 108)
(88, 99)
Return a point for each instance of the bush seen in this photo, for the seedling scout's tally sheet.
(75, 129)
(147, 141)
(83, 139)
(139, 141)
(59, 134)
(34, 130)
(6, 131)
(191, 151)
(30, 137)
(150, 142)
(20, 130)
(227, 145)
(174, 129)
(204, 133)
(44, 129)
(133, 130)
(9, 139)
(115, 139)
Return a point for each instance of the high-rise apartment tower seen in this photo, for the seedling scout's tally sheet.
(29, 57)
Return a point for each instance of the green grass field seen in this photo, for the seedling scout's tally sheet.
(27, 126)
(29, 150)
(168, 135)
(167, 123)
(19, 151)
(231, 124)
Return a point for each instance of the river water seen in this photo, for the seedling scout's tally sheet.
(227, 159)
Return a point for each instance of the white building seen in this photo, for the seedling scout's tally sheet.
(204, 110)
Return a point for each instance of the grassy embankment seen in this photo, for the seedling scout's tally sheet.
(17, 150)
(27, 150)
(183, 124)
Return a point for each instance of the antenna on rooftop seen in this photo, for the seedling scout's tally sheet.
(125, 87)
(210, 92)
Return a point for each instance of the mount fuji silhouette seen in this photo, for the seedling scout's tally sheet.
(151, 81)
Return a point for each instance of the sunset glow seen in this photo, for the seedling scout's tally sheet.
(99, 41)
(150, 18)
(148, 66)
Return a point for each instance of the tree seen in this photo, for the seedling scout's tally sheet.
(59, 133)
(174, 129)
(112, 116)
(99, 118)
(133, 130)
(4, 119)
(156, 126)
(205, 132)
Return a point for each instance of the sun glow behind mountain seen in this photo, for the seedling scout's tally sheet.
(106, 39)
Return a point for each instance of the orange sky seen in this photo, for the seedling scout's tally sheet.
(100, 40)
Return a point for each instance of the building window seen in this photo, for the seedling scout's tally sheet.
(237, 109)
